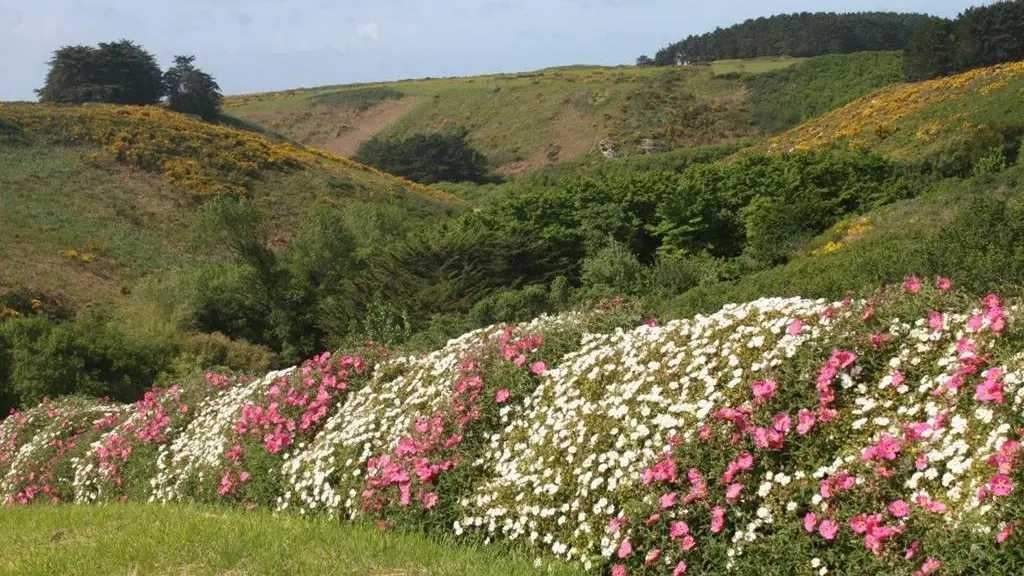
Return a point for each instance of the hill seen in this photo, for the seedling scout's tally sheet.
(97, 197)
(525, 122)
(520, 121)
(921, 120)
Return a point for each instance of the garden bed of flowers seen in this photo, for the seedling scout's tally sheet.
(781, 436)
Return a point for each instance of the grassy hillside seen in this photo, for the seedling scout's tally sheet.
(523, 121)
(141, 539)
(918, 119)
(93, 198)
(527, 121)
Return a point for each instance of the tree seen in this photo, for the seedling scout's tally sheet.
(644, 60)
(427, 158)
(929, 54)
(117, 72)
(190, 90)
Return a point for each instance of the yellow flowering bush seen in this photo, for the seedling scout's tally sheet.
(877, 116)
(201, 158)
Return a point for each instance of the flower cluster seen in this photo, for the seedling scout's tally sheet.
(783, 436)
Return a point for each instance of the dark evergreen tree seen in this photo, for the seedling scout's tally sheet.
(930, 52)
(116, 72)
(803, 34)
(192, 91)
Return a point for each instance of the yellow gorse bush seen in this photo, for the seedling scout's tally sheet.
(876, 116)
(201, 158)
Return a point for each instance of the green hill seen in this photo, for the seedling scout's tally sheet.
(96, 197)
(524, 122)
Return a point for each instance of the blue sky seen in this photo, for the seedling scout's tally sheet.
(258, 45)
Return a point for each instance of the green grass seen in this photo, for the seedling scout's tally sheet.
(783, 98)
(134, 224)
(520, 121)
(754, 65)
(154, 539)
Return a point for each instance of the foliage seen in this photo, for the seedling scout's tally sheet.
(190, 90)
(803, 34)
(119, 72)
(908, 119)
(361, 99)
(980, 36)
(427, 158)
(930, 52)
(90, 356)
(785, 98)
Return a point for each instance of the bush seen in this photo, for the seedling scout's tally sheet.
(10, 132)
(612, 271)
(89, 356)
(205, 351)
(427, 158)
(511, 306)
(961, 155)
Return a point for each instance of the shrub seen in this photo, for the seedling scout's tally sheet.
(89, 356)
(427, 158)
(208, 350)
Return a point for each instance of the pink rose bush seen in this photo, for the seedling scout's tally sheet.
(780, 436)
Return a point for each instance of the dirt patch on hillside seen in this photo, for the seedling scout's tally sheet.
(339, 130)
(572, 135)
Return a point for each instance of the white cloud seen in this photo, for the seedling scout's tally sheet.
(369, 30)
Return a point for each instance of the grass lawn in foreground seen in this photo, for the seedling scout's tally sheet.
(154, 539)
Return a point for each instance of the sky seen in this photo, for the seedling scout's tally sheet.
(263, 45)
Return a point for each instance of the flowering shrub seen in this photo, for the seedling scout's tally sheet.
(202, 158)
(781, 436)
(879, 115)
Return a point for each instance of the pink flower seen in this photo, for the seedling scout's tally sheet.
(1001, 485)
(651, 322)
(678, 530)
(667, 500)
(717, 519)
(805, 421)
(618, 570)
(745, 461)
(732, 493)
(625, 549)
(429, 499)
(991, 390)
(652, 557)
(652, 519)
(538, 368)
(935, 320)
(687, 543)
(930, 565)
(828, 529)
(944, 284)
(1005, 533)
(912, 285)
(794, 327)
(899, 509)
(502, 395)
(244, 476)
(810, 521)
(763, 390)
(680, 569)
(869, 313)
(615, 524)
(782, 422)
(520, 360)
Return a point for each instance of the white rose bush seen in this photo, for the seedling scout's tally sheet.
(780, 436)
